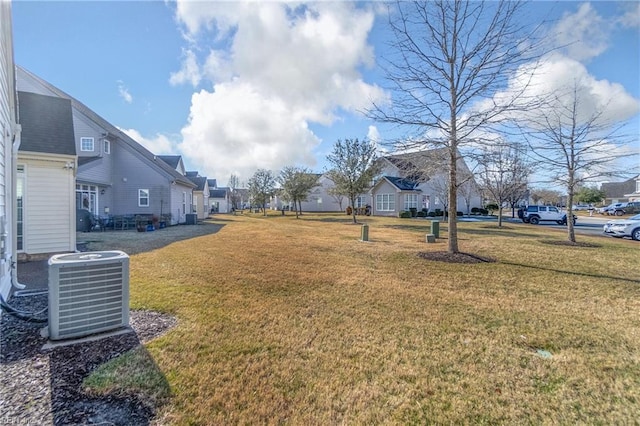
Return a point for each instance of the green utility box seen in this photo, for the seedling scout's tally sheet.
(435, 228)
(365, 232)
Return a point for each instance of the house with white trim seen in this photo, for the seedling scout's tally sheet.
(116, 175)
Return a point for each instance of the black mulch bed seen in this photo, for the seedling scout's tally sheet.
(45, 386)
(444, 256)
(570, 244)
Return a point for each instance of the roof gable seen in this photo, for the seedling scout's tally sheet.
(47, 124)
(110, 128)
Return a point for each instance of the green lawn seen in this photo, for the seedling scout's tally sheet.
(296, 321)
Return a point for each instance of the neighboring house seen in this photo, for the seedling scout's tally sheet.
(320, 200)
(116, 175)
(417, 180)
(220, 200)
(46, 166)
(635, 195)
(9, 142)
(618, 192)
(175, 162)
(200, 195)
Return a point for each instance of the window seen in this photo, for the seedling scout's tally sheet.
(107, 147)
(20, 206)
(86, 144)
(385, 202)
(87, 198)
(410, 201)
(143, 198)
(360, 201)
(184, 203)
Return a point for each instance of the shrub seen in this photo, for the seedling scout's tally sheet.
(404, 214)
(431, 214)
(484, 212)
(491, 206)
(438, 212)
(421, 213)
(475, 210)
(459, 214)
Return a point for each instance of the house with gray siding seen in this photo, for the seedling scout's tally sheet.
(116, 175)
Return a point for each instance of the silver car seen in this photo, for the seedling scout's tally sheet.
(624, 227)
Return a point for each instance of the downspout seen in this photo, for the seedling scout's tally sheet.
(17, 131)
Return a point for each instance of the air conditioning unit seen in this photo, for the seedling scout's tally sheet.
(88, 293)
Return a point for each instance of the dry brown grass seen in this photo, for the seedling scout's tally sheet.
(296, 321)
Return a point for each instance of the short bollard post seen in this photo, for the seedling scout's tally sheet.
(365, 232)
(435, 228)
(431, 238)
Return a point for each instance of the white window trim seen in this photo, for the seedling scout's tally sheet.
(106, 146)
(413, 203)
(87, 139)
(141, 197)
(385, 202)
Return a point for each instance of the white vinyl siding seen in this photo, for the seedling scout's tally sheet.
(86, 144)
(143, 198)
(49, 209)
(385, 202)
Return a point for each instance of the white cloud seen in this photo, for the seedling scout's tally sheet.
(582, 35)
(123, 91)
(631, 17)
(274, 70)
(159, 144)
(189, 72)
(235, 129)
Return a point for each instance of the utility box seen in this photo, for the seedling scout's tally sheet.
(430, 238)
(191, 219)
(365, 232)
(435, 228)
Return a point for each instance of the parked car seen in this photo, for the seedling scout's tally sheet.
(537, 214)
(632, 208)
(624, 227)
(611, 208)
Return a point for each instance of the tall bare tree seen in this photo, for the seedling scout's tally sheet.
(576, 143)
(353, 167)
(447, 60)
(503, 173)
(234, 184)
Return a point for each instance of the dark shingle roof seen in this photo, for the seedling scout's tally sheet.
(401, 183)
(172, 160)
(217, 193)
(199, 181)
(191, 174)
(213, 183)
(145, 153)
(618, 189)
(47, 124)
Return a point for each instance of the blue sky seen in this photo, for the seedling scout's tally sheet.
(234, 86)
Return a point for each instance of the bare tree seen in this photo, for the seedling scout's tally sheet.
(234, 184)
(261, 186)
(297, 183)
(503, 173)
(448, 59)
(575, 144)
(354, 166)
